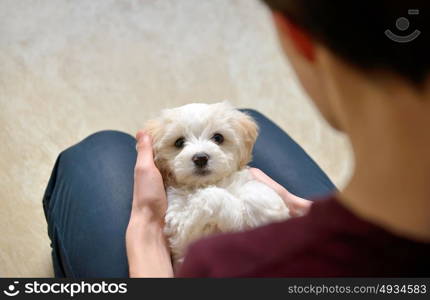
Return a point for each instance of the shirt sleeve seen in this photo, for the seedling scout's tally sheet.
(236, 254)
(195, 263)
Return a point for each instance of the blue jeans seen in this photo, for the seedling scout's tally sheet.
(88, 199)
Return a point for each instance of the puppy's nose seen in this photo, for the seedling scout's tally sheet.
(200, 159)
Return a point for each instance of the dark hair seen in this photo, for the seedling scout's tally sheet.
(357, 31)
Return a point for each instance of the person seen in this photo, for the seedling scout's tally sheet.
(365, 81)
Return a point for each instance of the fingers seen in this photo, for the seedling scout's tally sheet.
(258, 174)
(298, 206)
(145, 156)
(264, 178)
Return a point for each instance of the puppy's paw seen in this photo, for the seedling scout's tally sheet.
(262, 204)
(222, 208)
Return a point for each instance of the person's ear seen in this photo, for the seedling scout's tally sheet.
(299, 38)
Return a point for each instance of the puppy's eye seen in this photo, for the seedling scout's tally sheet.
(218, 138)
(180, 142)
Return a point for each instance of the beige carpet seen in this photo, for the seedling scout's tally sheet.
(70, 68)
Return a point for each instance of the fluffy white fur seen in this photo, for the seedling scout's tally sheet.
(222, 196)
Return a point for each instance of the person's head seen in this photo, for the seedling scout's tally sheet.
(328, 43)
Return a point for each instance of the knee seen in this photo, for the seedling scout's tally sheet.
(100, 144)
(107, 139)
(109, 136)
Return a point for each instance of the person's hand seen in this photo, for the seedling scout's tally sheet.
(148, 253)
(149, 195)
(297, 206)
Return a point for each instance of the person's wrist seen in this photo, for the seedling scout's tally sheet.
(141, 236)
(146, 221)
(146, 241)
(146, 214)
(284, 194)
(144, 224)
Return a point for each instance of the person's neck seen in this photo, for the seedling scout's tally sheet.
(390, 135)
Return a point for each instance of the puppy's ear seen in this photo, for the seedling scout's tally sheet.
(166, 173)
(248, 129)
(155, 128)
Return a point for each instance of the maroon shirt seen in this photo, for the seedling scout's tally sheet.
(329, 241)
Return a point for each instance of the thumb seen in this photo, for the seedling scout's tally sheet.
(145, 156)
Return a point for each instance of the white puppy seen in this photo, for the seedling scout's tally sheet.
(202, 151)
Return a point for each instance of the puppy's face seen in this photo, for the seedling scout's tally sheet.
(199, 144)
